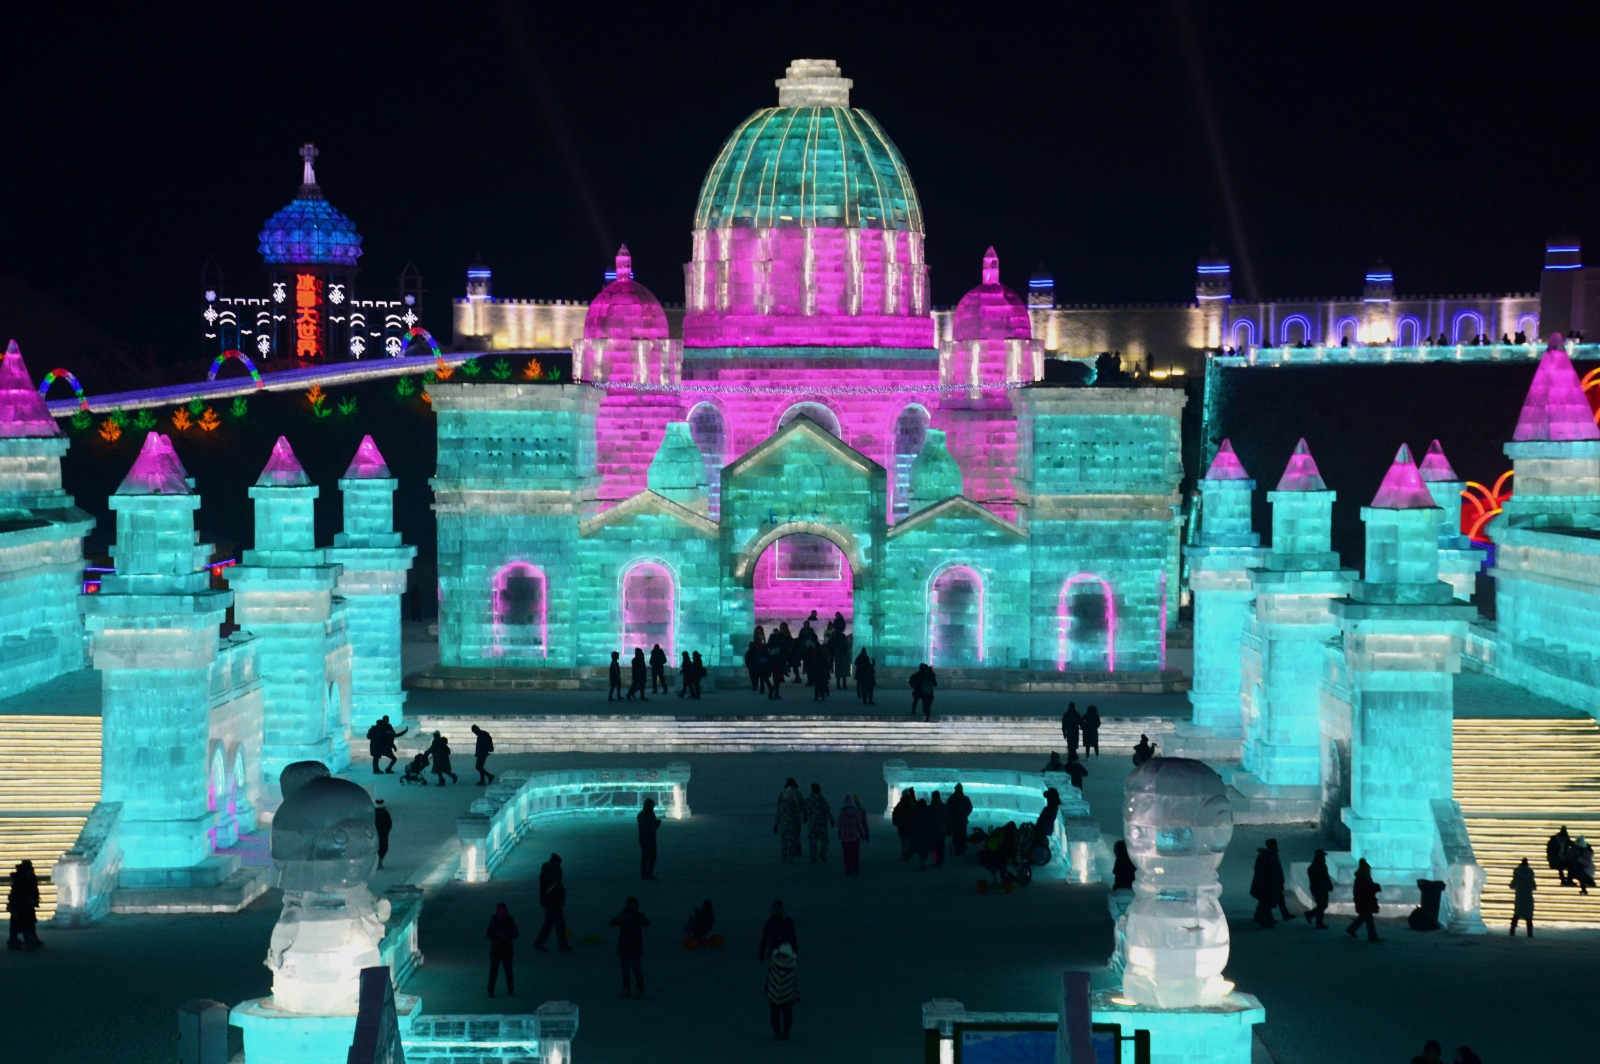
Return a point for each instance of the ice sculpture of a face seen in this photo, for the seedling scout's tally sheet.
(1177, 812)
(323, 838)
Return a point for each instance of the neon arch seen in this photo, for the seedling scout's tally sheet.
(418, 332)
(1414, 325)
(216, 365)
(1249, 328)
(648, 601)
(1528, 325)
(1485, 503)
(1064, 621)
(521, 607)
(1340, 326)
(66, 375)
(1294, 319)
(1464, 315)
(944, 601)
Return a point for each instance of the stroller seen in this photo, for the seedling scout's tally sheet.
(415, 768)
(698, 930)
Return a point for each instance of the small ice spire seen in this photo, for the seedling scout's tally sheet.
(368, 464)
(1556, 410)
(283, 469)
(813, 83)
(991, 267)
(22, 409)
(308, 152)
(156, 471)
(1402, 487)
(1301, 474)
(1226, 465)
(1435, 467)
(624, 264)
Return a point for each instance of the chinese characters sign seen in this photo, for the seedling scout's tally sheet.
(307, 315)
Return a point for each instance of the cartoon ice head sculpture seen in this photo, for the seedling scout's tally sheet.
(323, 837)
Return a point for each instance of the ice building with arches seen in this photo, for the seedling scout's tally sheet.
(811, 443)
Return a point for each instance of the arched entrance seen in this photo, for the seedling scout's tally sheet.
(798, 574)
(648, 606)
(520, 612)
(955, 618)
(1086, 625)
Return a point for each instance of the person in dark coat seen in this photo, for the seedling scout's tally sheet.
(483, 747)
(1266, 886)
(923, 681)
(1143, 750)
(778, 929)
(1123, 870)
(699, 667)
(960, 809)
(752, 665)
(501, 934)
(639, 675)
(649, 823)
(381, 743)
(839, 650)
(1321, 884)
(775, 666)
(1365, 892)
(1091, 731)
(904, 819)
(439, 754)
(23, 904)
(1071, 725)
(922, 831)
(658, 670)
(939, 824)
(1522, 887)
(685, 674)
(1054, 764)
(866, 677)
(1430, 1054)
(614, 691)
(630, 924)
(1555, 854)
(1075, 769)
(553, 900)
(384, 823)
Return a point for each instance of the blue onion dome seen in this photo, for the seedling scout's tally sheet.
(310, 231)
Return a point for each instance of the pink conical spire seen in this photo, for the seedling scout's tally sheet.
(368, 464)
(1226, 466)
(991, 267)
(1556, 409)
(156, 471)
(1402, 487)
(22, 409)
(283, 468)
(624, 264)
(1435, 466)
(1302, 473)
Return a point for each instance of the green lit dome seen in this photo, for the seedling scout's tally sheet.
(813, 161)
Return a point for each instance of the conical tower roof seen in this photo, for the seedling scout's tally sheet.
(1555, 409)
(1301, 474)
(368, 464)
(1435, 467)
(283, 469)
(1226, 465)
(156, 471)
(22, 409)
(1402, 487)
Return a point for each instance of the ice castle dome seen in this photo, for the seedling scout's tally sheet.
(310, 231)
(991, 311)
(625, 309)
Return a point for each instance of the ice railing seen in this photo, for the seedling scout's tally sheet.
(998, 795)
(86, 874)
(515, 801)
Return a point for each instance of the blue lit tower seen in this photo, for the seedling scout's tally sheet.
(1459, 562)
(310, 250)
(1563, 291)
(1283, 645)
(1219, 565)
(284, 593)
(1403, 633)
(1378, 299)
(153, 631)
(1213, 291)
(373, 564)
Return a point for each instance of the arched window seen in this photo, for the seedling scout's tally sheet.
(238, 786)
(955, 618)
(1295, 329)
(1244, 334)
(707, 430)
(1086, 625)
(1528, 325)
(521, 604)
(1465, 325)
(647, 609)
(910, 430)
(1409, 331)
(816, 412)
(1346, 329)
(217, 781)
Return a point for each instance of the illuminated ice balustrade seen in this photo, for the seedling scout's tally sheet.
(998, 796)
(517, 801)
(372, 577)
(1459, 562)
(284, 593)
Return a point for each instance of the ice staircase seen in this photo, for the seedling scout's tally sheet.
(1518, 782)
(50, 781)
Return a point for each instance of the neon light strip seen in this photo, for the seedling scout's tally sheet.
(216, 365)
(418, 332)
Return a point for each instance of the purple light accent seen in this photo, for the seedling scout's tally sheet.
(945, 593)
(1556, 408)
(625, 309)
(1249, 328)
(1379, 278)
(1462, 316)
(1226, 465)
(1283, 328)
(22, 410)
(513, 613)
(648, 608)
(1402, 487)
(991, 311)
(1301, 474)
(1414, 325)
(1564, 250)
(1568, 266)
(283, 469)
(1435, 466)
(793, 599)
(1064, 621)
(156, 471)
(1212, 269)
(368, 464)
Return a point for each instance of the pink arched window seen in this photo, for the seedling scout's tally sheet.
(1086, 625)
(521, 612)
(648, 604)
(955, 618)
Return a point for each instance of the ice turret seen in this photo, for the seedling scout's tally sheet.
(935, 476)
(1555, 452)
(1555, 409)
(1458, 562)
(678, 471)
(156, 471)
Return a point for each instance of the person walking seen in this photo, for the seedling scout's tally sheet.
(839, 650)
(649, 823)
(639, 673)
(553, 900)
(775, 667)
(23, 905)
(1522, 886)
(904, 819)
(866, 677)
(922, 833)
(501, 934)
(1071, 725)
(482, 748)
(685, 674)
(1091, 731)
(752, 665)
(381, 744)
(630, 924)
(923, 681)
(791, 814)
(699, 668)
(614, 691)
(1266, 886)
(959, 807)
(853, 831)
(658, 670)
(1076, 770)
(777, 931)
(939, 825)
(782, 987)
(1555, 853)
(1123, 870)
(384, 823)
(1321, 883)
(819, 817)
(1365, 892)
(439, 754)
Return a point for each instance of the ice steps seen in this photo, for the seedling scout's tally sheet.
(50, 782)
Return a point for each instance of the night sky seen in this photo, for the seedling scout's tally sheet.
(139, 140)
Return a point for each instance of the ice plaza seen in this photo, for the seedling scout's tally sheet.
(243, 781)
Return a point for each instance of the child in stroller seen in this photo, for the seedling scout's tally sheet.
(698, 931)
(415, 768)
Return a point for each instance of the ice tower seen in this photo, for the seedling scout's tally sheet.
(372, 577)
(1459, 562)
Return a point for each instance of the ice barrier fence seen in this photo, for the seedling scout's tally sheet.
(1077, 852)
(515, 801)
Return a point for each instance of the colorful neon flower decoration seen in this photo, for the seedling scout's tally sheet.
(65, 375)
(1484, 503)
(216, 365)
